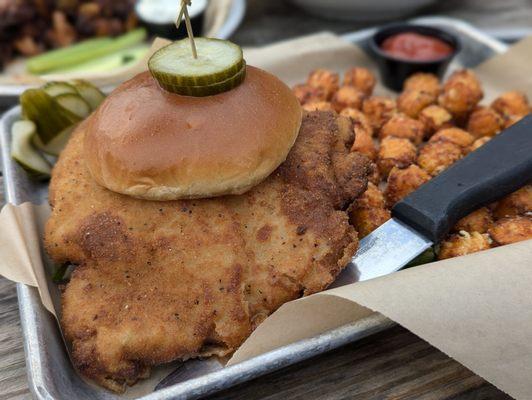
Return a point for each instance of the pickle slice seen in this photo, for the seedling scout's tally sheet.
(24, 153)
(57, 88)
(174, 66)
(208, 90)
(56, 145)
(90, 93)
(74, 103)
(43, 110)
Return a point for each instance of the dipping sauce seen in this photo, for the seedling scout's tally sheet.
(416, 47)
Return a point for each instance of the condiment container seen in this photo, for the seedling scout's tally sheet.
(394, 70)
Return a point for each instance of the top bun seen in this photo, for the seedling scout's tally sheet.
(148, 143)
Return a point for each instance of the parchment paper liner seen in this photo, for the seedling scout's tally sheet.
(477, 308)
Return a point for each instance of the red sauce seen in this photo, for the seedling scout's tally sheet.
(416, 47)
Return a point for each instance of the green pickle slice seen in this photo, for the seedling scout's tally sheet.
(56, 145)
(50, 118)
(90, 93)
(208, 90)
(74, 103)
(24, 153)
(58, 88)
(220, 66)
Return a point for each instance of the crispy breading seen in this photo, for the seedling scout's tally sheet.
(463, 243)
(461, 93)
(402, 126)
(372, 197)
(402, 182)
(412, 102)
(347, 96)
(318, 106)
(364, 144)
(512, 119)
(511, 230)
(308, 94)
(395, 152)
(434, 118)
(435, 157)
(478, 221)
(326, 80)
(361, 78)
(374, 176)
(359, 119)
(479, 143)
(367, 219)
(379, 109)
(424, 82)
(160, 281)
(368, 212)
(516, 203)
(484, 121)
(454, 135)
(513, 103)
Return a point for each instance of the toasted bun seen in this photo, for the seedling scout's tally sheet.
(151, 144)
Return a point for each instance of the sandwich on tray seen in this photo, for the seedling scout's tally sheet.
(201, 195)
(193, 202)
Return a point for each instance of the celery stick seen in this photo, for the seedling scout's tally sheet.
(56, 58)
(109, 62)
(83, 52)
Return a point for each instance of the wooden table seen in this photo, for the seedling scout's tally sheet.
(394, 364)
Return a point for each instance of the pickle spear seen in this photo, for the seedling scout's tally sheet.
(24, 153)
(218, 61)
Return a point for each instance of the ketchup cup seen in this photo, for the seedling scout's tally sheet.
(396, 67)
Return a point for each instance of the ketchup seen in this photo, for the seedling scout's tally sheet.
(416, 47)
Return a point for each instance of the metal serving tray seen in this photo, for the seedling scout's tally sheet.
(50, 373)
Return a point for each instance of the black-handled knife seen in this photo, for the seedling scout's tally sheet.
(423, 218)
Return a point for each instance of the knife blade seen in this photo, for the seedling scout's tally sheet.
(426, 216)
(387, 249)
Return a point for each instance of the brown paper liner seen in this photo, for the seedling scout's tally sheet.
(477, 308)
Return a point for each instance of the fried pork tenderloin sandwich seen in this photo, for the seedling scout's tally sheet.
(257, 217)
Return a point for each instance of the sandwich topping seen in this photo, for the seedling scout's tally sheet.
(219, 67)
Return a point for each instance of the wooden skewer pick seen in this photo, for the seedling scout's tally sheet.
(190, 33)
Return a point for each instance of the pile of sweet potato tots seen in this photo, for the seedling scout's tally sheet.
(416, 136)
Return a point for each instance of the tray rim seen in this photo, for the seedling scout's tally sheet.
(252, 368)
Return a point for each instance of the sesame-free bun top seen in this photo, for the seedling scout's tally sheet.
(152, 144)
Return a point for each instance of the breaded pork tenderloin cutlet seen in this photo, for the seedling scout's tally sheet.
(160, 281)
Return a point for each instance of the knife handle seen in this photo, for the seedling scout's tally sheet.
(499, 167)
